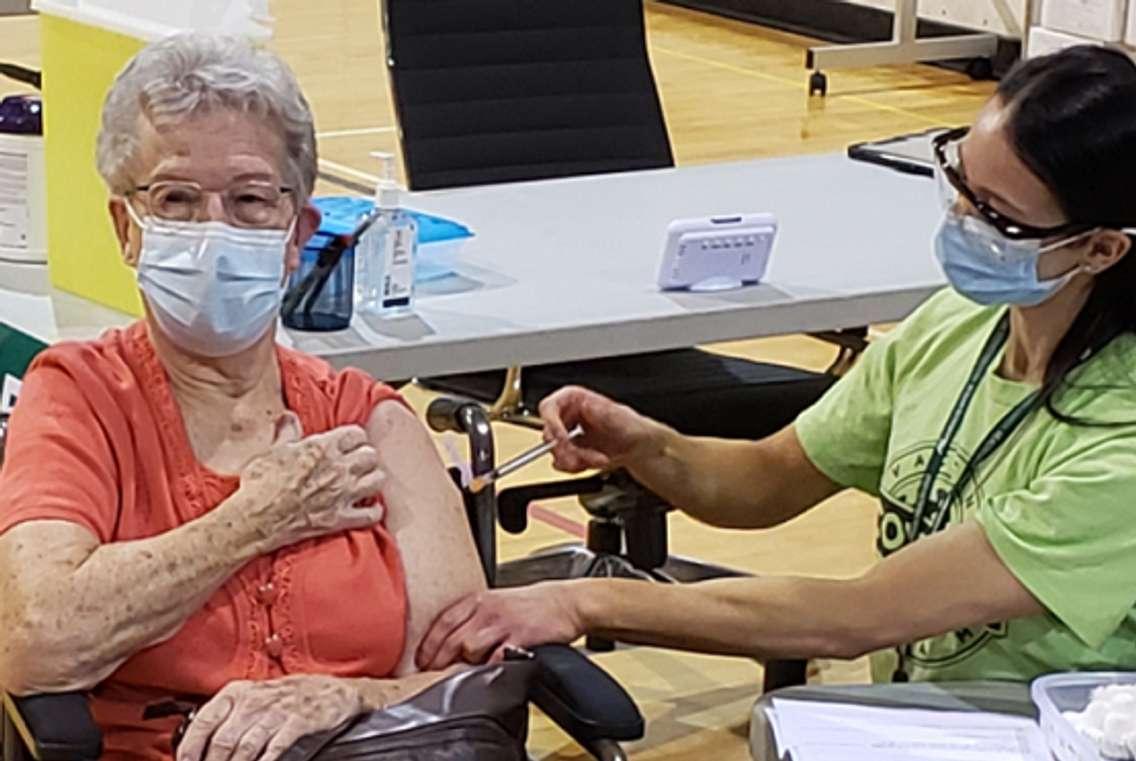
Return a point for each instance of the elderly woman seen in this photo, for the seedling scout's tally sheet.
(189, 509)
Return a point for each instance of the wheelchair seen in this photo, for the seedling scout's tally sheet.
(626, 531)
(575, 693)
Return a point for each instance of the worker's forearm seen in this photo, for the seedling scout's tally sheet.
(86, 620)
(962, 582)
(732, 484)
(763, 618)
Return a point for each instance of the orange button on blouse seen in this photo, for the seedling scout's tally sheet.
(97, 439)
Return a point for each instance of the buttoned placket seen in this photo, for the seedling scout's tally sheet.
(267, 594)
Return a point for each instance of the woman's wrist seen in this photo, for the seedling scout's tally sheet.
(374, 694)
(584, 603)
(657, 444)
(233, 525)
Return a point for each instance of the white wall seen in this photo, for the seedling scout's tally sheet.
(1004, 17)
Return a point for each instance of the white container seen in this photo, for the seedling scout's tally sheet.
(1057, 693)
(1044, 41)
(1101, 20)
(149, 20)
(1130, 33)
(23, 200)
(241, 17)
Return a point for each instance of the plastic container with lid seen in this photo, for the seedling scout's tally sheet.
(1058, 693)
(23, 195)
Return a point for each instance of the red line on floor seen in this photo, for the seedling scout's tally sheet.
(556, 520)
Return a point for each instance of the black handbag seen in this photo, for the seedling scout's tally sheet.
(476, 715)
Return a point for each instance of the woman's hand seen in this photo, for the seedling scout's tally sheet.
(614, 434)
(482, 626)
(304, 488)
(249, 721)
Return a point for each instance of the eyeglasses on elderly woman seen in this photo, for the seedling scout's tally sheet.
(246, 204)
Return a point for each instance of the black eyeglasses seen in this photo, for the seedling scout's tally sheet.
(952, 185)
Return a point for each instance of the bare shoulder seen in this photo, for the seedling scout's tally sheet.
(392, 418)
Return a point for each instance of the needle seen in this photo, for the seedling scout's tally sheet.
(512, 466)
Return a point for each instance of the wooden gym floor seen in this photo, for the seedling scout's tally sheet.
(731, 91)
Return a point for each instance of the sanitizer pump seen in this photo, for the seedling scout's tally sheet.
(387, 252)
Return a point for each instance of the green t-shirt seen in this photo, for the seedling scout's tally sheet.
(1057, 502)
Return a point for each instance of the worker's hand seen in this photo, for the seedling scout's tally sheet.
(481, 627)
(307, 487)
(614, 435)
(261, 720)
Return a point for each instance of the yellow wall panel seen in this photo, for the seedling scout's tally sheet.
(79, 64)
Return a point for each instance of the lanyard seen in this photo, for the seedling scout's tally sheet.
(988, 446)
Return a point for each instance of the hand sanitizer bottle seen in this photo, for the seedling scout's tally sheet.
(386, 253)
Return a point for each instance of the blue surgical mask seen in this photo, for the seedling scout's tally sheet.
(989, 268)
(214, 290)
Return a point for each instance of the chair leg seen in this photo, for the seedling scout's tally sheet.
(596, 644)
(781, 674)
(646, 532)
(604, 538)
(606, 750)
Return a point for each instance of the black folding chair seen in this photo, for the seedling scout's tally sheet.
(491, 91)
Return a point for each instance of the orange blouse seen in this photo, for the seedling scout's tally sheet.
(98, 439)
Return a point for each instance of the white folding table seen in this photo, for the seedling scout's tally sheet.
(565, 269)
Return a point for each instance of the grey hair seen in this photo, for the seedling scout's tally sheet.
(191, 74)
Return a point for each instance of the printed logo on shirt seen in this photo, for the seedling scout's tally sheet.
(954, 647)
(899, 492)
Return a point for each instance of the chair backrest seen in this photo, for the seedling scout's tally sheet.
(508, 90)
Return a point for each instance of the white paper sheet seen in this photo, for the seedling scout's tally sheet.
(816, 731)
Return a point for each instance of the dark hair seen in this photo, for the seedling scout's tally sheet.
(1073, 123)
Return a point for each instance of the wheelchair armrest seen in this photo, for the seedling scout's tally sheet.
(583, 699)
(455, 415)
(55, 727)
